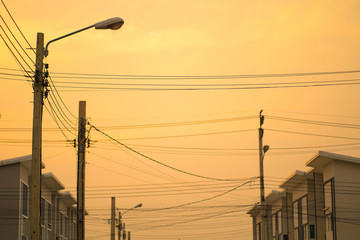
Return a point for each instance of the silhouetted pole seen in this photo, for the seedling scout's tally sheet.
(119, 226)
(81, 172)
(35, 188)
(129, 235)
(262, 150)
(124, 232)
(112, 218)
(262, 188)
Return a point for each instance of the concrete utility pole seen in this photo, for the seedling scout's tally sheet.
(262, 151)
(261, 134)
(119, 226)
(81, 172)
(124, 232)
(112, 218)
(35, 188)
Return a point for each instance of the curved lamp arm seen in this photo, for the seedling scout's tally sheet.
(137, 206)
(111, 23)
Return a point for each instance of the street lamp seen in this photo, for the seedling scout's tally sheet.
(137, 206)
(262, 152)
(111, 23)
(38, 87)
(120, 226)
(264, 210)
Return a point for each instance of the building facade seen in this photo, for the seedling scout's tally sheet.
(320, 204)
(58, 214)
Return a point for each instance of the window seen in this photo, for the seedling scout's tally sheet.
(304, 210)
(25, 199)
(24, 205)
(280, 221)
(276, 224)
(48, 218)
(296, 216)
(329, 205)
(64, 232)
(61, 224)
(273, 220)
(300, 209)
(42, 216)
(66, 227)
(258, 226)
(49, 215)
(74, 230)
(42, 219)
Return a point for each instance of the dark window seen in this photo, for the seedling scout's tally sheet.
(25, 199)
(49, 214)
(42, 217)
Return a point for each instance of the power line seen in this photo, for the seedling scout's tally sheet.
(203, 85)
(17, 26)
(191, 77)
(203, 200)
(15, 57)
(57, 93)
(81, 88)
(306, 121)
(170, 124)
(158, 162)
(15, 40)
(312, 134)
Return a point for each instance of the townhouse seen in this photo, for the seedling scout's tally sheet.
(58, 218)
(320, 204)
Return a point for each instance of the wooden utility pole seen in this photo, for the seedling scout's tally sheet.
(81, 172)
(35, 188)
(112, 218)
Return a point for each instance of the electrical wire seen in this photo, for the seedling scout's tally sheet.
(191, 77)
(313, 122)
(17, 26)
(158, 162)
(312, 134)
(16, 42)
(206, 88)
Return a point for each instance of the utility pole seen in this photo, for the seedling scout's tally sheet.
(124, 232)
(112, 218)
(81, 172)
(129, 235)
(119, 226)
(264, 220)
(35, 188)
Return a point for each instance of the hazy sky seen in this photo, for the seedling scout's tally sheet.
(185, 38)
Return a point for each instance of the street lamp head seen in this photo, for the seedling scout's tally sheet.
(139, 205)
(112, 23)
(266, 148)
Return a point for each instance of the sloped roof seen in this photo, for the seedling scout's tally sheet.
(295, 179)
(52, 182)
(26, 160)
(67, 198)
(255, 210)
(321, 158)
(273, 196)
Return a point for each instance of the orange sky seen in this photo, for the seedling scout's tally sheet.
(231, 37)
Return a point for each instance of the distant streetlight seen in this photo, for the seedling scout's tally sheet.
(38, 87)
(121, 227)
(137, 206)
